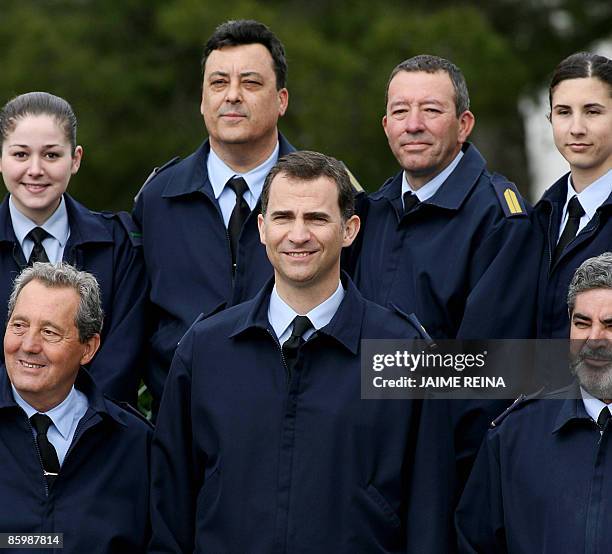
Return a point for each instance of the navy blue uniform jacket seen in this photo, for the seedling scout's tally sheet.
(188, 258)
(542, 483)
(594, 239)
(244, 461)
(461, 261)
(102, 244)
(99, 500)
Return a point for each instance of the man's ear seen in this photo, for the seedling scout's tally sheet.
(351, 228)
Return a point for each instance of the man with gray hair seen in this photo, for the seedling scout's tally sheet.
(543, 477)
(72, 462)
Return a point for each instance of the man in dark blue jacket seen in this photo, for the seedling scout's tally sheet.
(263, 443)
(543, 477)
(444, 238)
(71, 461)
(199, 216)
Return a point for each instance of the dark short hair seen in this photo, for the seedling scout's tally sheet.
(39, 103)
(248, 31)
(594, 273)
(89, 316)
(434, 64)
(580, 66)
(308, 166)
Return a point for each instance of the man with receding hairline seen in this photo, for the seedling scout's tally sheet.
(72, 461)
(262, 428)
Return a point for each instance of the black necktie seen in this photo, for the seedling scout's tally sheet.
(41, 424)
(574, 212)
(604, 417)
(239, 214)
(410, 201)
(292, 345)
(37, 235)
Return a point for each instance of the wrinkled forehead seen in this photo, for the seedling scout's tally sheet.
(295, 194)
(421, 84)
(240, 58)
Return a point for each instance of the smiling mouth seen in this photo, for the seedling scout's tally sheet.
(298, 254)
(36, 186)
(415, 145)
(31, 365)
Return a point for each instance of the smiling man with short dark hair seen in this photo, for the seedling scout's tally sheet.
(263, 442)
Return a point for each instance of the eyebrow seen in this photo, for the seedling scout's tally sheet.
(316, 215)
(589, 105)
(28, 146)
(577, 315)
(282, 213)
(307, 215)
(242, 74)
(45, 323)
(404, 102)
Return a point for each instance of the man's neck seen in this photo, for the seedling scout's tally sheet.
(246, 156)
(303, 300)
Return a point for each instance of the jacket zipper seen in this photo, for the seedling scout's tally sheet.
(280, 349)
(39, 456)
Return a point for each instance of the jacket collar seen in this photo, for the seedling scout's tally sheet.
(572, 408)
(85, 226)
(453, 191)
(193, 177)
(557, 194)
(96, 400)
(344, 327)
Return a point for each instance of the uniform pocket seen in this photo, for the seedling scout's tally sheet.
(383, 505)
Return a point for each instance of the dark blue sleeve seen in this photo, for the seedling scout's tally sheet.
(431, 502)
(479, 518)
(503, 283)
(118, 365)
(174, 483)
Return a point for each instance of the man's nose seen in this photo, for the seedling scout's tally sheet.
(299, 232)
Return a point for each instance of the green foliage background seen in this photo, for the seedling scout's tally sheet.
(131, 70)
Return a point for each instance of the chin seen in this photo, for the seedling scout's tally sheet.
(598, 383)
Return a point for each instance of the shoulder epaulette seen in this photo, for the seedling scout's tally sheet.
(518, 403)
(414, 320)
(129, 408)
(126, 221)
(157, 171)
(356, 186)
(509, 197)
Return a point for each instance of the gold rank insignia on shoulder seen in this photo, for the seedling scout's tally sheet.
(512, 201)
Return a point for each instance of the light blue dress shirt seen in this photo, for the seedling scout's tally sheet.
(431, 187)
(593, 405)
(57, 226)
(590, 199)
(65, 417)
(219, 173)
(281, 315)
